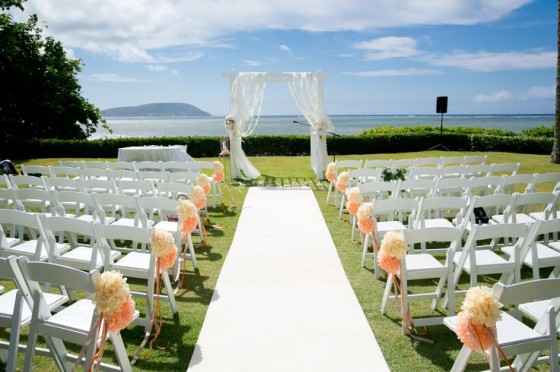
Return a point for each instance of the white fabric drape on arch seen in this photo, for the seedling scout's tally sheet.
(307, 90)
(246, 96)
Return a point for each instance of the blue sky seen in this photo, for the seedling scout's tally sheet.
(383, 56)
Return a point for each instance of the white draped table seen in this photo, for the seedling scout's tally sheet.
(154, 153)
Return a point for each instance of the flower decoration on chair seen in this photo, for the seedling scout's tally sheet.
(393, 248)
(354, 200)
(218, 175)
(198, 197)
(203, 181)
(365, 218)
(115, 307)
(342, 181)
(330, 174)
(476, 323)
(164, 248)
(188, 216)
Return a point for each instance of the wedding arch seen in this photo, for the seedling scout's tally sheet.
(246, 97)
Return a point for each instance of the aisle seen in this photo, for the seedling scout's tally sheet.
(282, 301)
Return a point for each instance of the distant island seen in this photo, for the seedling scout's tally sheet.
(158, 110)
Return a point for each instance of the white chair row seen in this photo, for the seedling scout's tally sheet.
(412, 162)
(51, 316)
(166, 166)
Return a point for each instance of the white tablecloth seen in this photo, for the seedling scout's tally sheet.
(154, 153)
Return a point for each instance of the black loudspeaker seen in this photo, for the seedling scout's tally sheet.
(441, 105)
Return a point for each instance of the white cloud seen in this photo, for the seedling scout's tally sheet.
(486, 61)
(540, 92)
(501, 95)
(131, 30)
(250, 62)
(389, 47)
(156, 68)
(114, 78)
(285, 48)
(402, 72)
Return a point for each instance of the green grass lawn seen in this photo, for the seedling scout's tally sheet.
(179, 333)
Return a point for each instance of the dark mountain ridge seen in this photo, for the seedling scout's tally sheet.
(172, 109)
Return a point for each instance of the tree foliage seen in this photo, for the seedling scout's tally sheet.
(40, 96)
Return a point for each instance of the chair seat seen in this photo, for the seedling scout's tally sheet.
(90, 218)
(423, 265)
(438, 222)
(510, 330)
(7, 303)
(170, 226)
(26, 248)
(385, 226)
(70, 321)
(547, 256)
(538, 215)
(13, 241)
(130, 222)
(519, 218)
(80, 258)
(485, 258)
(134, 264)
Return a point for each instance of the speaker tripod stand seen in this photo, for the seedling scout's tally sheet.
(440, 145)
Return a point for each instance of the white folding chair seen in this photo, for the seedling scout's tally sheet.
(24, 182)
(378, 163)
(515, 337)
(73, 323)
(414, 188)
(136, 262)
(123, 209)
(183, 177)
(136, 187)
(33, 244)
(82, 206)
(441, 211)
(172, 190)
(453, 171)
(490, 205)
(536, 253)
(341, 165)
(63, 184)
(99, 186)
(477, 170)
(154, 176)
(478, 258)
(452, 187)
(389, 215)
(175, 166)
(525, 208)
(123, 174)
(404, 163)
(447, 161)
(417, 265)
(428, 173)
(95, 173)
(85, 253)
(121, 165)
(16, 311)
(71, 163)
(373, 190)
(475, 159)
(95, 164)
(431, 161)
(159, 209)
(34, 200)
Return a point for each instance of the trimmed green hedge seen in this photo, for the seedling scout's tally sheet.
(200, 147)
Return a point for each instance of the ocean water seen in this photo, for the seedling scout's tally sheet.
(279, 125)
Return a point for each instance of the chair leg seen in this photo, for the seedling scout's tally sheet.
(15, 331)
(170, 294)
(461, 360)
(329, 193)
(364, 249)
(386, 293)
(120, 351)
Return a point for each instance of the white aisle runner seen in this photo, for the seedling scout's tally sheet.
(282, 301)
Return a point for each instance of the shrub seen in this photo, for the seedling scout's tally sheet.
(542, 131)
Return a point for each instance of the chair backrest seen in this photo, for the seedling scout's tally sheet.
(136, 187)
(362, 175)
(156, 176)
(432, 161)
(485, 185)
(123, 238)
(404, 163)
(348, 164)
(529, 203)
(378, 163)
(95, 173)
(121, 165)
(95, 164)
(71, 163)
(22, 181)
(377, 189)
(158, 208)
(395, 209)
(475, 159)
(452, 187)
(198, 165)
(120, 174)
(184, 177)
(424, 172)
(64, 184)
(451, 161)
(35, 169)
(175, 166)
(65, 171)
(148, 165)
(492, 204)
(34, 200)
(120, 206)
(453, 171)
(546, 181)
(34, 229)
(76, 202)
(528, 291)
(173, 189)
(509, 169)
(441, 207)
(412, 188)
(420, 236)
(477, 170)
(516, 183)
(99, 186)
